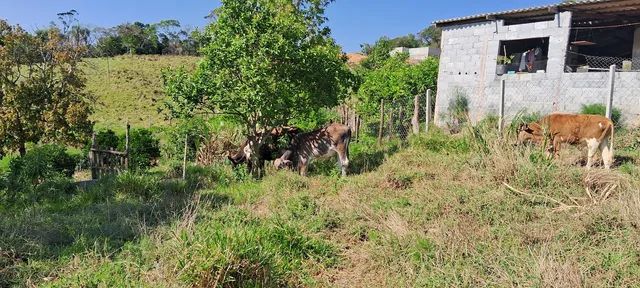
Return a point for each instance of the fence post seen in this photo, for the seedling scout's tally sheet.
(381, 126)
(612, 80)
(92, 157)
(416, 110)
(502, 96)
(184, 158)
(126, 147)
(427, 114)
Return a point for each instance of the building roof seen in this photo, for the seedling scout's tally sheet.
(626, 8)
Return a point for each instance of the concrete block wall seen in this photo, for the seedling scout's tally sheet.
(468, 67)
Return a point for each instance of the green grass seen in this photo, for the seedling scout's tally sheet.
(435, 214)
(130, 88)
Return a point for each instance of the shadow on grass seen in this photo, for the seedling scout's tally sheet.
(363, 157)
(95, 218)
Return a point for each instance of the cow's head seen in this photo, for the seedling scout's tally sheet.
(284, 162)
(529, 133)
(241, 155)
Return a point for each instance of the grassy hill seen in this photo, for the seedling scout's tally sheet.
(446, 211)
(130, 88)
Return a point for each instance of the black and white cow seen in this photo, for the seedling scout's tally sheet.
(324, 142)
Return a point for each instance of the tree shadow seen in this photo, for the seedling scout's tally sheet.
(363, 158)
(93, 219)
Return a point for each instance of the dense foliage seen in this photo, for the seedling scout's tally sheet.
(393, 79)
(165, 37)
(42, 170)
(42, 96)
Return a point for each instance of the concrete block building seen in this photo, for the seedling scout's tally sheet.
(416, 55)
(553, 58)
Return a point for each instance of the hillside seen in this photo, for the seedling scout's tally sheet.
(447, 211)
(130, 88)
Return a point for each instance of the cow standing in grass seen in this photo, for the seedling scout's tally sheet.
(325, 142)
(596, 131)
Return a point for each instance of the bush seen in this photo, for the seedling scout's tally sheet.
(600, 109)
(198, 130)
(42, 172)
(458, 111)
(144, 149)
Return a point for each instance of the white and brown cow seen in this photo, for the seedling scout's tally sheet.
(596, 131)
(324, 142)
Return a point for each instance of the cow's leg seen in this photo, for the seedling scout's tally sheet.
(592, 148)
(606, 150)
(302, 166)
(344, 161)
(554, 149)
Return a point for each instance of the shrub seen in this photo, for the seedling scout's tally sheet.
(42, 171)
(458, 111)
(600, 109)
(144, 149)
(198, 130)
(437, 141)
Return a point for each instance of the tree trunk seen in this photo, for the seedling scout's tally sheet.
(22, 149)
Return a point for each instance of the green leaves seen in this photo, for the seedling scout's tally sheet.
(395, 78)
(267, 62)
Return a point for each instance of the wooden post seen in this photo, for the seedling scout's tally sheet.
(503, 91)
(357, 127)
(390, 130)
(416, 110)
(612, 80)
(126, 147)
(427, 112)
(92, 157)
(184, 159)
(381, 126)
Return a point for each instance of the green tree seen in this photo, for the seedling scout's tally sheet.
(431, 36)
(267, 62)
(377, 53)
(395, 79)
(42, 94)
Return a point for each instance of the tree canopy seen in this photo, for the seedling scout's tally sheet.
(267, 62)
(42, 94)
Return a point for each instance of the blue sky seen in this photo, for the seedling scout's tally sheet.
(353, 22)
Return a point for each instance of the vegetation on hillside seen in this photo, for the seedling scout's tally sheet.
(130, 88)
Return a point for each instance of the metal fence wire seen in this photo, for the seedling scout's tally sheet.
(397, 119)
(602, 63)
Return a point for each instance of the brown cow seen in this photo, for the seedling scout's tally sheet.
(324, 142)
(268, 150)
(596, 131)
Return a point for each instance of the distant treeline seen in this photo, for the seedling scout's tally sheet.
(167, 37)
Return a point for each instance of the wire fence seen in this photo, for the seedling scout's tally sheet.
(398, 118)
(602, 63)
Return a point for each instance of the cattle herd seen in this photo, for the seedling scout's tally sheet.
(300, 149)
